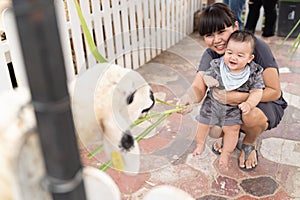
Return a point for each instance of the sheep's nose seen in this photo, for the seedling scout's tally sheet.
(127, 141)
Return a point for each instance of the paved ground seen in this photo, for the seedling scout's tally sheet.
(166, 156)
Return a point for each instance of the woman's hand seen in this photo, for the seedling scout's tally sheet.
(229, 97)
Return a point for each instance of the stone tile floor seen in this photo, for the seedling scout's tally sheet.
(166, 156)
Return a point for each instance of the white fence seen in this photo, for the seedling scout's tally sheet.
(126, 32)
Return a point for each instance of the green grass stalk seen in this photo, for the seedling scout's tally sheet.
(88, 35)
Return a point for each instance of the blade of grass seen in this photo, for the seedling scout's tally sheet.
(105, 166)
(165, 114)
(141, 120)
(288, 36)
(94, 152)
(88, 36)
(150, 116)
(294, 47)
(164, 102)
(151, 127)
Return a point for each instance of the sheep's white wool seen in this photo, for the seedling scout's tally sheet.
(17, 118)
(103, 108)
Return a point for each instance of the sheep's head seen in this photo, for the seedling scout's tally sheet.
(121, 97)
(107, 100)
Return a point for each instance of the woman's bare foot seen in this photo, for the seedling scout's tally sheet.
(198, 150)
(250, 162)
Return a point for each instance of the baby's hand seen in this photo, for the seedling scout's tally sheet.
(245, 107)
(210, 81)
(187, 102)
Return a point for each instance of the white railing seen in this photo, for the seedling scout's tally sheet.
(4, 73)
(127, 32)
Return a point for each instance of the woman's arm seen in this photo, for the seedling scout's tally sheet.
(265, 58)
(272, 89)
(230, 97)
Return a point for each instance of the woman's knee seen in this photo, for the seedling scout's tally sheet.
(255, 118)
(215, 132)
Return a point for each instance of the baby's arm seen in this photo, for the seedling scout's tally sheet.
(252, 101)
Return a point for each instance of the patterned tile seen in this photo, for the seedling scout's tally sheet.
(260, 186)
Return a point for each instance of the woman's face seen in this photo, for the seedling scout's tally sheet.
(217, 41)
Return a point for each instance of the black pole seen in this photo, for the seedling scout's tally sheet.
(38, 32)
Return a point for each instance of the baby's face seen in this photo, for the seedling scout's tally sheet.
(237, 55)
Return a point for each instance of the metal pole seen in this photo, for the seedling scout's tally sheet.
(38, 32)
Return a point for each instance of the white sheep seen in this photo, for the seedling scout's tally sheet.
(105, 99)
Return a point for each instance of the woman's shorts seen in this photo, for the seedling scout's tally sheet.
(274, 112)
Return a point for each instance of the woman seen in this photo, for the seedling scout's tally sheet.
(216, 24)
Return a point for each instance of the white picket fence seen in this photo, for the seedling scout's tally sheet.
(127, 32)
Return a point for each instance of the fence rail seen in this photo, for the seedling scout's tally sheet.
(126, 32)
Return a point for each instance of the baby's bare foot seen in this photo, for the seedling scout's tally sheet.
(198, 150)
(223, 160)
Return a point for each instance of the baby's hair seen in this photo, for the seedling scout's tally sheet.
(243, 36)
(215, 17)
